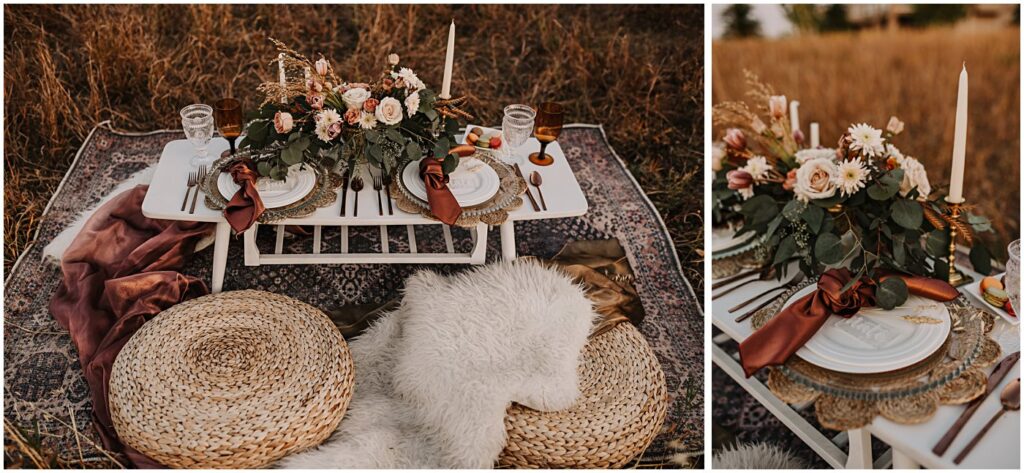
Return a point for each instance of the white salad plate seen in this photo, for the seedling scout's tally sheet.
(472, 183)
(876, 340)
(974, 289)
(274, 193)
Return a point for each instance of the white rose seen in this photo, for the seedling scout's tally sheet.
(389, 112)
(914, 175)
(805, 155)
(412, 103)
(717, 156)
(815, 179)
(354, 98)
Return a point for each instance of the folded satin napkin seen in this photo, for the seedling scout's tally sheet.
(785, 333)
(245, 207)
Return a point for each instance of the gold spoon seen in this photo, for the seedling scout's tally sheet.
(357, 185)
(536, 181)
(1010, 397)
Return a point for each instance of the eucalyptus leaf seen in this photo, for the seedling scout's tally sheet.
(785, 250)
(263, 168)
(793, 209)
(907, 213)
(980, 259)
(814, 216)
(449, 164)
(827, 249)
(937, 243)
(891, 293)
(886, 186)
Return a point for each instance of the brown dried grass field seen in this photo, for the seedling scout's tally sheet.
(841, 79)
(638, 70)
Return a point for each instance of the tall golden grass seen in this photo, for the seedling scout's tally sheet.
(847, 78)
(635, 69)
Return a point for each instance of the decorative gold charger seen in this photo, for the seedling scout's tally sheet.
(324, 192)
(492, 212)
(730, 265)
(843, 401)
(231, 380)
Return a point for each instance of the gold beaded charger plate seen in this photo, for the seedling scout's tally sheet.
(323, 193)
(622, 404)
(493, 211)
(952, 374)
(231, 380)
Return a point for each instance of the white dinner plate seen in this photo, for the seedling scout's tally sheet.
(876, 340)
(298, 184)
(723, 239)
(974, 289)
(472, 183)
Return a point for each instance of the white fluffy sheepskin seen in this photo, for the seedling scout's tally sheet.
(756, 456)
(435, 377)
(54, 251)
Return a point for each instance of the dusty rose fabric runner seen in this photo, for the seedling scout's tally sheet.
(245, 206)
(785, 333)
(121, 270)
(442, 203)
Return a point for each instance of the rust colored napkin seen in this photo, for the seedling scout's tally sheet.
(442, 203)
(121, 270)
(245, 206)
(785, 333)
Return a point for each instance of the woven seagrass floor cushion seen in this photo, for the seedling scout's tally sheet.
(231, 380)
(622, 404)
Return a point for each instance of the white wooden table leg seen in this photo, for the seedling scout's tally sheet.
(479, 254)
(252, 253)
(384, 244)
(222, 239)
(412, 238)
(316, 239)
(508, 240)
(279, 243)
(448, 243)
(344, 239)
(860, 450)
(902, 461)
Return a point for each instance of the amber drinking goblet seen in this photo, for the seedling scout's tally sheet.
(228, 114)
(547, 126)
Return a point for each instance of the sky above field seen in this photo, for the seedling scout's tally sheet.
(772, 18)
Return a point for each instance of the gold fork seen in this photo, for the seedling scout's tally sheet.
(202, 175)
(192, 177)
(378, 186)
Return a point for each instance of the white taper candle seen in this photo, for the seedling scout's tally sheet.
(794, 115)
(281, 78)
(815, 135)
(956, 179)
(449, 59)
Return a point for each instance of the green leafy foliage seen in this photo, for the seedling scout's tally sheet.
(891, 293)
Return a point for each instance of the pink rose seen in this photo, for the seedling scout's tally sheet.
(393, 59)
(370, 104)
(283, 122)
(739, 179)
(790, 180)
(334, 130)
(388, 84)
(352, 116)
(735, 138)
(777, 106)
(895, 126)
(316, 101)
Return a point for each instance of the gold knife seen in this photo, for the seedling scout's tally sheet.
(533, 201)
(1002, 369)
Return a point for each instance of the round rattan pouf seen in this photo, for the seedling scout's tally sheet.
(622, 405)
(231, 380)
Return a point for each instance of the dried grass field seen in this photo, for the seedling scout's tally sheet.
(638, 70)
(847, 78)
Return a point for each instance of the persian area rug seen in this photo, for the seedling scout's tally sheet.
(46, 394)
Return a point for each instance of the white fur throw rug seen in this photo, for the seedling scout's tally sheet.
(435, 377)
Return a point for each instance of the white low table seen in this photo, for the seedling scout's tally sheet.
(911, 444)
(163, 201)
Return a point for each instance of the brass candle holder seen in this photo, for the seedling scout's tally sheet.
(956, 278)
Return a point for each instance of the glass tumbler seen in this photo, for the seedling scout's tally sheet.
(516, 127)
(1012, 279)
(198, 123)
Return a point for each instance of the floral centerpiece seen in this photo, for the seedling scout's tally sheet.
(312, 113)
(801, 201)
